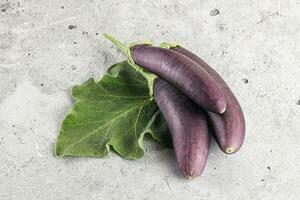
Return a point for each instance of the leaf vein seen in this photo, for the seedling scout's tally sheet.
(91, 133)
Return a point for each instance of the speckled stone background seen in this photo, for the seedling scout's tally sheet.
(48, 46)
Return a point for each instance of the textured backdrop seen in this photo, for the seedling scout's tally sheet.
(48, 46)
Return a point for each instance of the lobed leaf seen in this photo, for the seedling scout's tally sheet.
(115, 112)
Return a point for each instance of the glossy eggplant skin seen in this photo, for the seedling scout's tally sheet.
(183, 73)
(188, 127)
(229, 128)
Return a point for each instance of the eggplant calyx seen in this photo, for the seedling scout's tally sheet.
(127, 52)
(169, 45)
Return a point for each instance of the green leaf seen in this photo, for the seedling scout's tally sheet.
(115, 112)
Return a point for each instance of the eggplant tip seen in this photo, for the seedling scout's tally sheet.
(223, 110)
(190, 177)
(229, 150)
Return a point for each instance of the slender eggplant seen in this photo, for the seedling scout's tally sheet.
(183, 73)
(177, 69)
(188, 127)
(229, 128)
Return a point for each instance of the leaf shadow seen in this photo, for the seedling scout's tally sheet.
(166, 154)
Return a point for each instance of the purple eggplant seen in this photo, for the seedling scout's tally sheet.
(183, 73)
(229, 128)
(188, 127)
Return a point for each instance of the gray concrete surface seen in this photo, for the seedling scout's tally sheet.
(253, 44)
